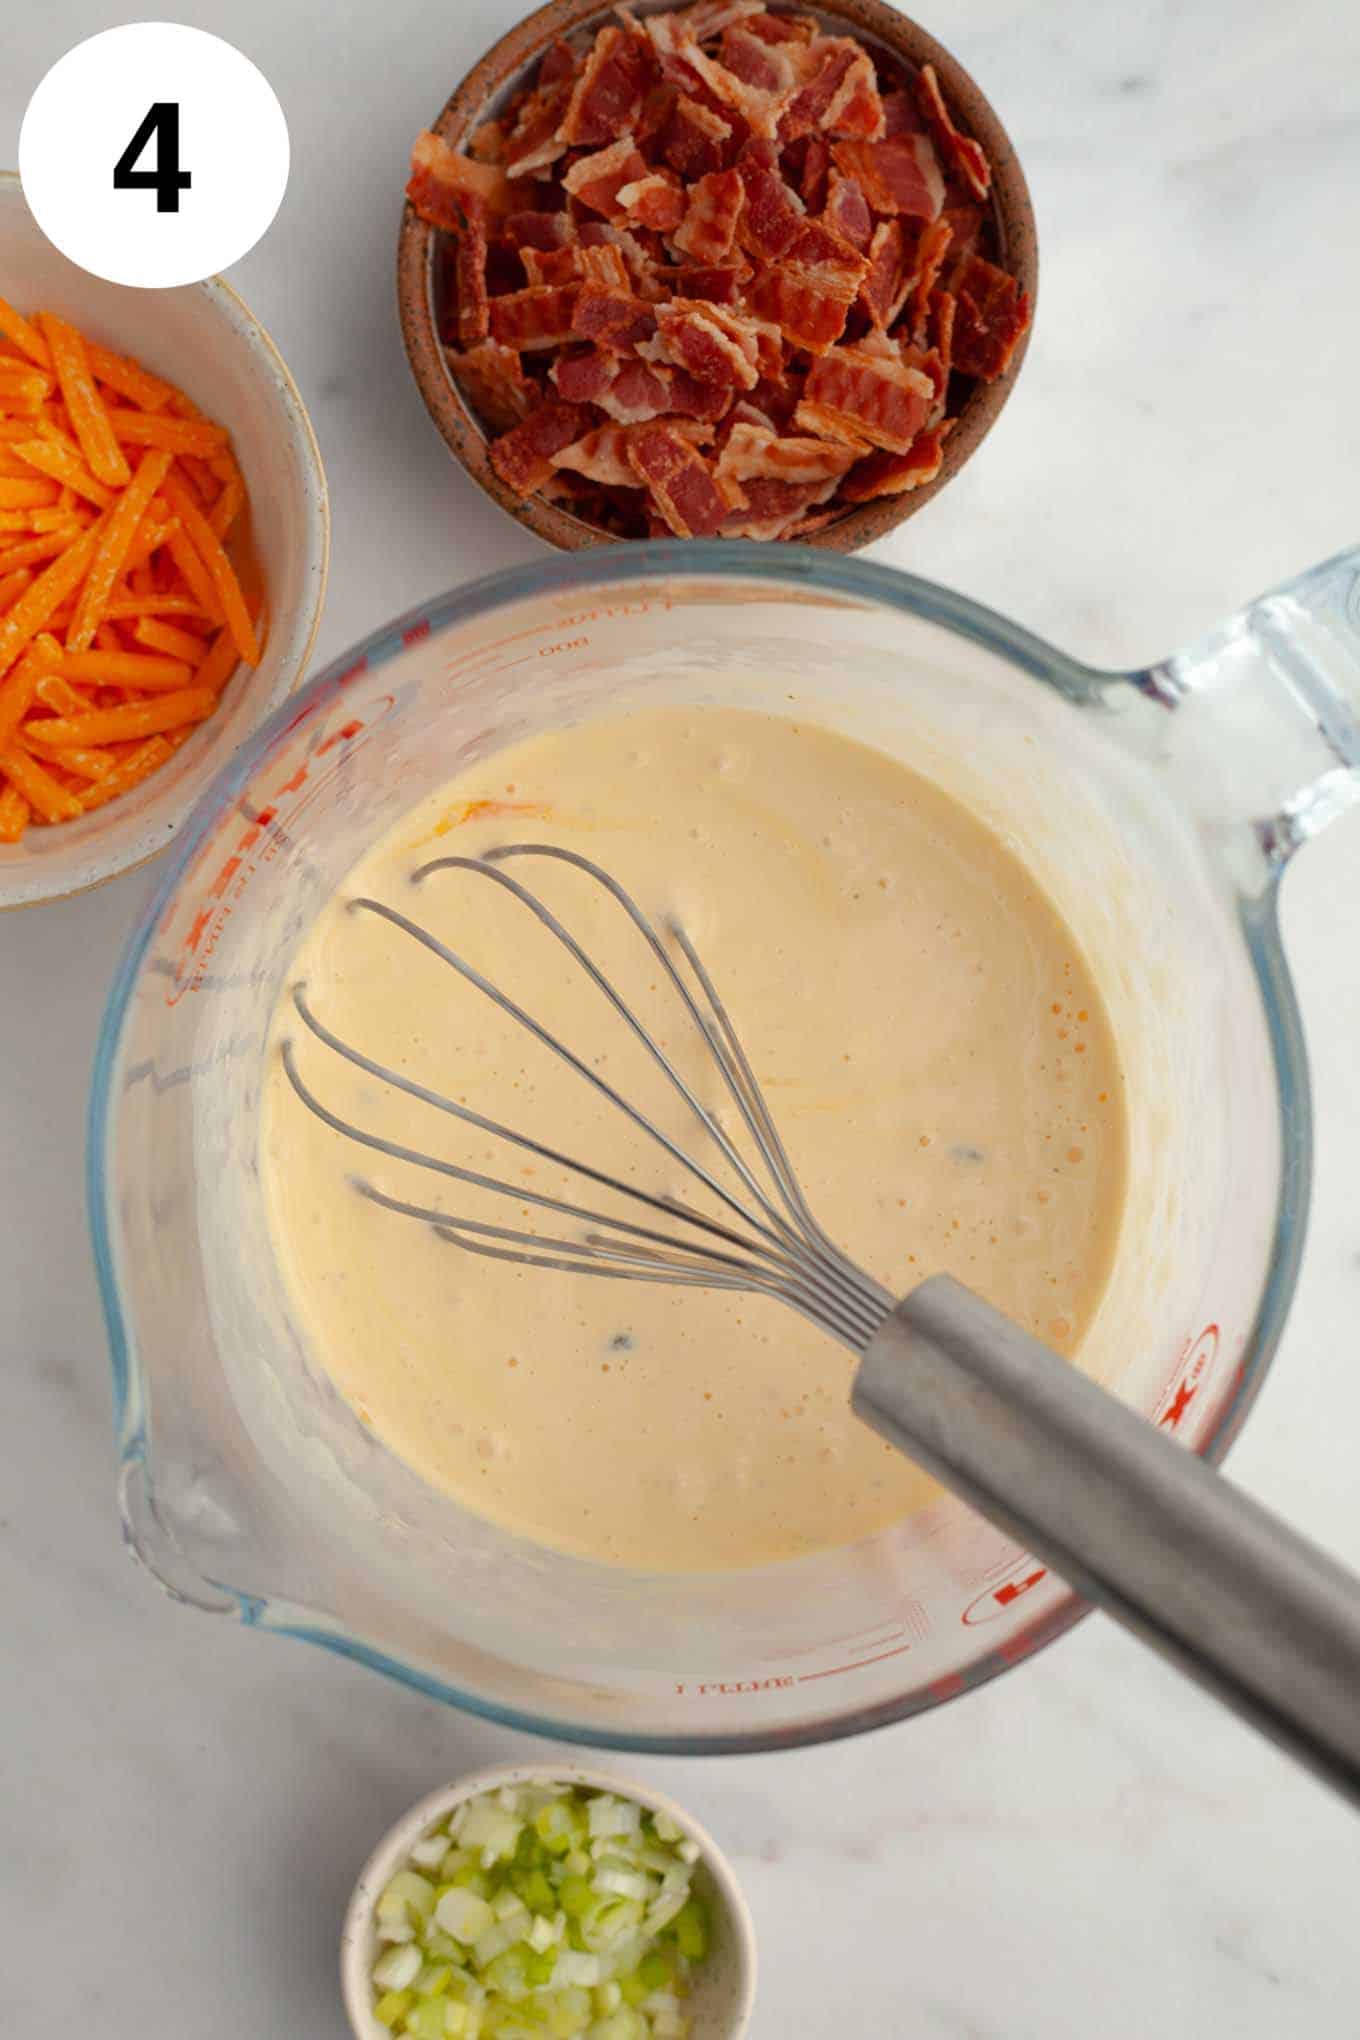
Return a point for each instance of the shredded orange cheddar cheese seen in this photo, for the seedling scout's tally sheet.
(128, 599)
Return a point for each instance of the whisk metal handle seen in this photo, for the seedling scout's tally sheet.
(1138, 1525)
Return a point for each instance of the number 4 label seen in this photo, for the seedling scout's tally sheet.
(161, 127)
(153, 155)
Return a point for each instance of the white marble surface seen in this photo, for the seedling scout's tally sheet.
(1087, 1848)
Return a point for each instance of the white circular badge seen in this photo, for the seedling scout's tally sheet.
(154, 154)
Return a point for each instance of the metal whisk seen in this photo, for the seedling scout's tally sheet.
(769, 1243)
(1226, 1591)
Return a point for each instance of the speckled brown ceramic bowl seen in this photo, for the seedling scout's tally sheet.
(503, 67)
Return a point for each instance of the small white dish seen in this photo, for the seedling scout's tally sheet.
(725, 1987)
(203, 338)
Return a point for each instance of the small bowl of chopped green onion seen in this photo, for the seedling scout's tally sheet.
(547, 1902)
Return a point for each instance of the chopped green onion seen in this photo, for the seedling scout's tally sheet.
(608, 1918)
(426, 2020)
(558, 1825)
(429, 1854)
(691, 1930)
(624, 2024)
(570, 2012)
(576, 1897)
(393, 2006)
(398, 1967)
(464, 1915)
(541, 1913)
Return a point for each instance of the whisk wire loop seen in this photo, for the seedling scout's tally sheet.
(776, 1247)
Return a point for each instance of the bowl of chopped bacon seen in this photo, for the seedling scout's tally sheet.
(723, 269)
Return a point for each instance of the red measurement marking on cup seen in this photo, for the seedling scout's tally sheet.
(262, 836)
(999, 1599)
(605, 613)
(1187, 1378)
(834, 1671)
(865, 1647)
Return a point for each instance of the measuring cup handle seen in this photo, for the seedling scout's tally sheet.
(1135, 1523)
(1265, 723)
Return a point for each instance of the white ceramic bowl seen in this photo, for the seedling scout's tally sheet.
(726, 1985)
(203, 338)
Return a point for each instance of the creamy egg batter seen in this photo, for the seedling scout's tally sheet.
(933, 1048)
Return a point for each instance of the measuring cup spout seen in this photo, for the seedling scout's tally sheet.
(1258, 723)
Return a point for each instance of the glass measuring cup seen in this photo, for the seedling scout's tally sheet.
(1159, 810)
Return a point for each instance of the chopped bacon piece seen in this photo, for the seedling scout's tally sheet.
(559, 61)
(442, 182)
(802, 526)
(847, 211)
(694, 138)
(597, 179)
(522, 457)
(601, 262)
(691, 398)
(551, 265)
(892, 474)
(856, 110)
(991, 313)
(809, 293)
(965, 224)
(855, 394)
(638, 393)
(841, 97)
(805, 311)
(902, 115)
(493, 381)
(809, 161)
(772, 214)
(900, 176)
(940, 326)
(608, 94)
(935, 241)
(754, 452)
(744, 412)
(534, 142)
(537, 230)
(613, 317)
(540, 316)
(720, 284)
(892, 272)
(755, 61)
(968, 157)
(656, 201)
(602, 456)
(682, 483)
(706, 232)
(776, 28)
(709, 344)
(932, 364)
(487, 143)
(684, 61)
(705, 18)
(582, 375)
(473, 297)
(774, 508)
(641, 262)
(778, 397)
